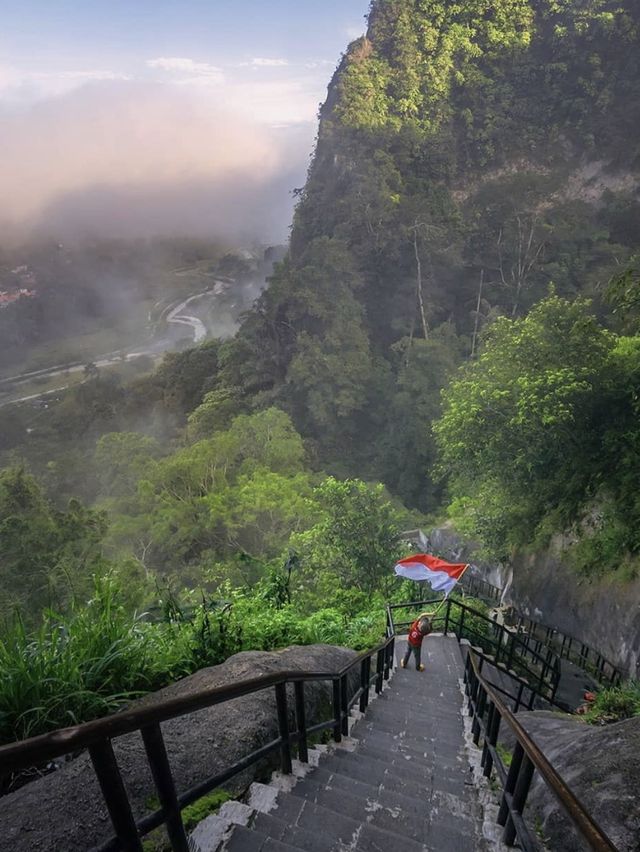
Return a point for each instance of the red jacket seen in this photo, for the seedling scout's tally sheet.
(415, 636)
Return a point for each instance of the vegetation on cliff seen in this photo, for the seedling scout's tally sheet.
(542, 426)
(473, 191)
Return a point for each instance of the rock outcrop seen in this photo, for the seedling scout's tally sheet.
(64, 811)
(602, 611)
(600, 765)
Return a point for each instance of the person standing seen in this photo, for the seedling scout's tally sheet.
(420, 628)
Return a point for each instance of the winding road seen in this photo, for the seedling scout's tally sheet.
(176, 316)
(173, 315)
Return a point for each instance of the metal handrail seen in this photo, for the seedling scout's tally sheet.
(565, 642)
(513, 649)
(526, 759)
(24, 753)
(97, 736)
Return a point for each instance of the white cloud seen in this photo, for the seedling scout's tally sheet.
(354, 32)
(183, 65)
(17, 85)
(81, 76)
(319, 63)
(9, 78)
(261, 62)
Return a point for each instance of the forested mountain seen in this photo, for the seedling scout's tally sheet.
(470, 157)
(456, 319)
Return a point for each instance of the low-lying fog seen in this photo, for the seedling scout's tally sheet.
(128, 159)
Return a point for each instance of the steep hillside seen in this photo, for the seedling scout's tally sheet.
(469, 156)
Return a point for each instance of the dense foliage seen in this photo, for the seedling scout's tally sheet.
(99, 656)
(469, 154)
(475, 182)
(542, 430)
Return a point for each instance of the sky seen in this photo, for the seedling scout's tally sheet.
(115, 116)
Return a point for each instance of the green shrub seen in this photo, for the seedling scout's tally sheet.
(615, 704)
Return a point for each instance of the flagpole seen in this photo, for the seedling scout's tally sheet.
(435, 611)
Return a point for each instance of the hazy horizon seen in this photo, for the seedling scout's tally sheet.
(198, 121)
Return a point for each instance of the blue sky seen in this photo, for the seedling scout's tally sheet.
(174, 109)
(50, 46)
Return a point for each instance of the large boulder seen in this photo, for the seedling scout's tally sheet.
(600, 765)
(64, 811)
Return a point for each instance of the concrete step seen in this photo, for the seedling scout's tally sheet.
(400, 783)
(374, 766)
(249, 840)
(430, 757)
(403, 776)
(418, 762)
(331, 828)
(445, 742)
(366, 838)
(313, 788)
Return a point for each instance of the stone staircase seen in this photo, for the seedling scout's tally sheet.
(401, 781)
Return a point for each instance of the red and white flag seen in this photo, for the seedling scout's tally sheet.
(441, 576)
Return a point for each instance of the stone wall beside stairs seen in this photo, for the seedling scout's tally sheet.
(602, 611)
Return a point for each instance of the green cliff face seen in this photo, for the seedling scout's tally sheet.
(470, 155)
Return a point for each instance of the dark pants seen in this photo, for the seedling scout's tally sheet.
(417, 650)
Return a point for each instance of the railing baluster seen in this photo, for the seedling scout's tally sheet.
(489, 723)
(115, 795)
(379, 671)
(510, 783)
(337, 715)
(493, 729)
(512, 643)
(344, 701)
(163, 779)
(363, 685)
(519, 798)
(283, 726)
(519, 697)
(301, 722)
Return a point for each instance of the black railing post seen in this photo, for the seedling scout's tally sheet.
(462, 612)
(344, 702)
(510, 783)
(472, 687)
(480, 707)
(283, 725)
(583, 656)
(337, 714)
(518, 701)
(379, 670)
(509, 662)
(301, 722)
(493, 729)
(519, 798)
(368, 683)
(489, 723)
(163, 779)
(115, 795)
(363, 685)
(541, 682)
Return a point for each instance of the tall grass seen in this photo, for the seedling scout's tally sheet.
(71, 669)
(615, 704)
(89, 663)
